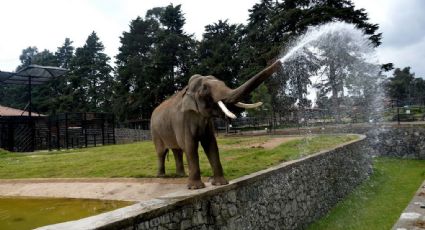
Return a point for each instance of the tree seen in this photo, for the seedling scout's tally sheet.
(173, 54)
(27, 57)
(405, 87)
(44, 97)
(90, 78)
(17, 96)
(273, 24)
(65, 53)
(153, 61)
(218, 52)
(297, 71)
(261, 94)
(134, 67)
(257, 42)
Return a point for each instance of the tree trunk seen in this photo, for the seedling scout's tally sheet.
(334, 86)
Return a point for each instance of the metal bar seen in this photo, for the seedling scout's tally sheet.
(58, 140)
(49, 140)
(85, 128)
(29, 95)
(113, 129)
(66, 130)
(32, 127)
(398, 115)
(103, 129)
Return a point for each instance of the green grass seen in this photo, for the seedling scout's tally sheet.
(2, 151)
(378, 202)
(139, 159)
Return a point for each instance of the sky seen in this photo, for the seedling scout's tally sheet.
(46, 23)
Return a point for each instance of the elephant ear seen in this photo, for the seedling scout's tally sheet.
(188, 101)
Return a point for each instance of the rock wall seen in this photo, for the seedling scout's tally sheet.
(401, 142)
(124, 135)
(389, 139)
(288, 196)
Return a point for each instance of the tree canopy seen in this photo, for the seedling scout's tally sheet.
(157, 56)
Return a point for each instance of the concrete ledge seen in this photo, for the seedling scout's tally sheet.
(413, 217)
(290, 195)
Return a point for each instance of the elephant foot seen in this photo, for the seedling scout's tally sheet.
(195, 184)
(181, 174)
(218, 180)
(160, 174)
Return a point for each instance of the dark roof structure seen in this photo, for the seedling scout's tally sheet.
(12, 112)
(31, 75)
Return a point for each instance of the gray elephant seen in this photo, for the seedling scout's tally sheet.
(185, 119)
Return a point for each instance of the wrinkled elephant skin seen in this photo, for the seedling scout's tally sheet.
(183, 121)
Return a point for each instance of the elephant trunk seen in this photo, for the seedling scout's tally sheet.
(243, 90)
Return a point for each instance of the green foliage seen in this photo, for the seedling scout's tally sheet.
(218, 52)
(378, 202)
(2, 151)
(261, 94)
(271, 27)
(157, 57)
(87, 88)
(154, 61)
(139, 159)
(90, 78)
(405, 87)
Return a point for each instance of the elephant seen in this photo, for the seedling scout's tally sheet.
(182, 121)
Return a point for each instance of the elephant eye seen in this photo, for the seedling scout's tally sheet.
(204, 89)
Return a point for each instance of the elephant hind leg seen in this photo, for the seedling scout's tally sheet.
(162, 153)
(178, 156)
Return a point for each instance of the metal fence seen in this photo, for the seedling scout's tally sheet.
(68, 130)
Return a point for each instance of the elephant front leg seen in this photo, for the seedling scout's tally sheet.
(209, 144)
(193, 161)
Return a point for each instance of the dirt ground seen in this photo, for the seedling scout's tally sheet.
(127, 189)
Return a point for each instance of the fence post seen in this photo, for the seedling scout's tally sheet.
(103, 128)
(66, 130)
(85, 129)
(113, 129)
(398, 112)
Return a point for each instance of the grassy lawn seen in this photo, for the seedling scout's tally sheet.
(139, 159)
(377, 203)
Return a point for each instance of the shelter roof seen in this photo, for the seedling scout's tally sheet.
(38, 75)
(7, 111)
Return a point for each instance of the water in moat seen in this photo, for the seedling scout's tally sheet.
(28, 213)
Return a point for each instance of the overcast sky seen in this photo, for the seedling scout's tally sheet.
(46, 23)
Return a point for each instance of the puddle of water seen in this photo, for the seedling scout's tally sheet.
(29, 213)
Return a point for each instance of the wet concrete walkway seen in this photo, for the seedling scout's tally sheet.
(126, 189)
(413, 217)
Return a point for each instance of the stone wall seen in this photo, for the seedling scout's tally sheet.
(401, 142)
(389, 139)
(124, 135)
(288, 196)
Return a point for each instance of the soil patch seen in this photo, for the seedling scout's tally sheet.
(274, 142)
(267, 144)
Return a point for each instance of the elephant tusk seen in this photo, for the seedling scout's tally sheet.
(225, 110)
(248, 106)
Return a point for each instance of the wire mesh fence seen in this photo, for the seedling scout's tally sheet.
(67, 130)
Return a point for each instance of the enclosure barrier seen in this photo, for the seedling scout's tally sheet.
(290, 195)
(61, 131)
